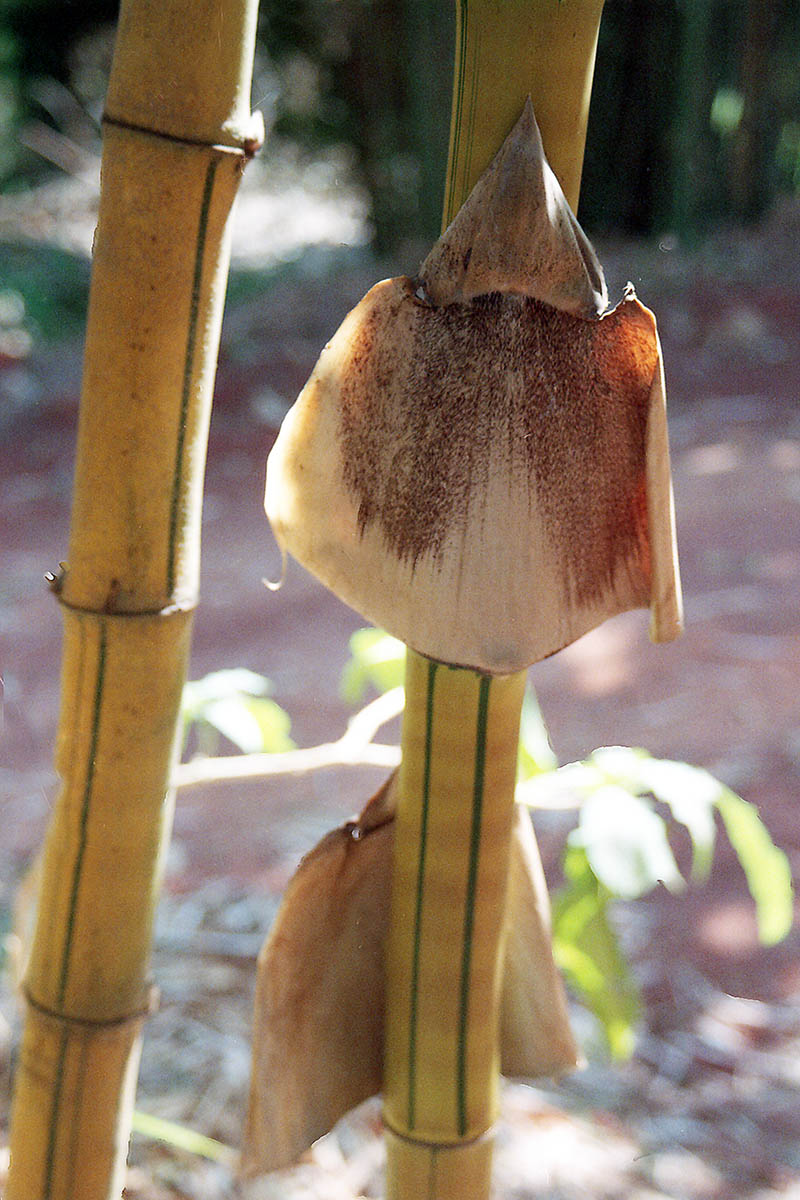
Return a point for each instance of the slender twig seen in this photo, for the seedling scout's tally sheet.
(354, 748)
(362, 727)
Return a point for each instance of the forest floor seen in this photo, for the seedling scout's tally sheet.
(709, 1106)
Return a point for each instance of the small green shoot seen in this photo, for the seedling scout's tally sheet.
(182, 1138)
(621, 842)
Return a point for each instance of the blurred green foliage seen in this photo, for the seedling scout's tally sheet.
(628, 806)
(695, 114)
(234, 704)
(377, 660)
(53, 286)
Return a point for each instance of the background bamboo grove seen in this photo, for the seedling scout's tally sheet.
(705, 97)
(177, 132)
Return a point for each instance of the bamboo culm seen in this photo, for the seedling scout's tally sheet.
(460, 732)
(177, 132)
(451, 861)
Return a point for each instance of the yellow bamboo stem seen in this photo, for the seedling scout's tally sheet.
(507, 50)
(444, 951)
(460, 731)
(177, 133)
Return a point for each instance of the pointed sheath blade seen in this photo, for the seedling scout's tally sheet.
(479, 463)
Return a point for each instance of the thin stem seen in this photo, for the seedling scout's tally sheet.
(354, 748)
(289, 762)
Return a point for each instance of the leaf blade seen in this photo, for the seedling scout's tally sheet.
(766, 867)
(376, 660)
(626, 843)
(587, 950)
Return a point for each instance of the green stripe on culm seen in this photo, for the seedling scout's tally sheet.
(77, 871)
(469, 906)
(434, 1153)
(188, 371)
(83, 820)
(473, 112)
(420, 895)
(458, 101)
(49, 1162)
(78, 1075)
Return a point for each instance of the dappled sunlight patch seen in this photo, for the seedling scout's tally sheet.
(717, 459)
(605, 660)
(729, 928)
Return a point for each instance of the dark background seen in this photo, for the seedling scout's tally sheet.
(695, 114)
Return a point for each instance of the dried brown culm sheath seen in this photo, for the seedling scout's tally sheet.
(479, 464)
(319, 1017)
(516, 234)
(487, 477)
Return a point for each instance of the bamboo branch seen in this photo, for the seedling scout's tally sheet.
(290, 762)
(354, 748)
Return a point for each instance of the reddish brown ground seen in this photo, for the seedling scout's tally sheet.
(725, 696)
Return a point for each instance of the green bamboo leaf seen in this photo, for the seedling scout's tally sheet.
(587, 950)
(218, 685)
(766, 867)
(564, 788)
(273, 722)
(689, 792)
(255, 724)
(626, 843)
(236, 704)
(693, 795)
(376, 660)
